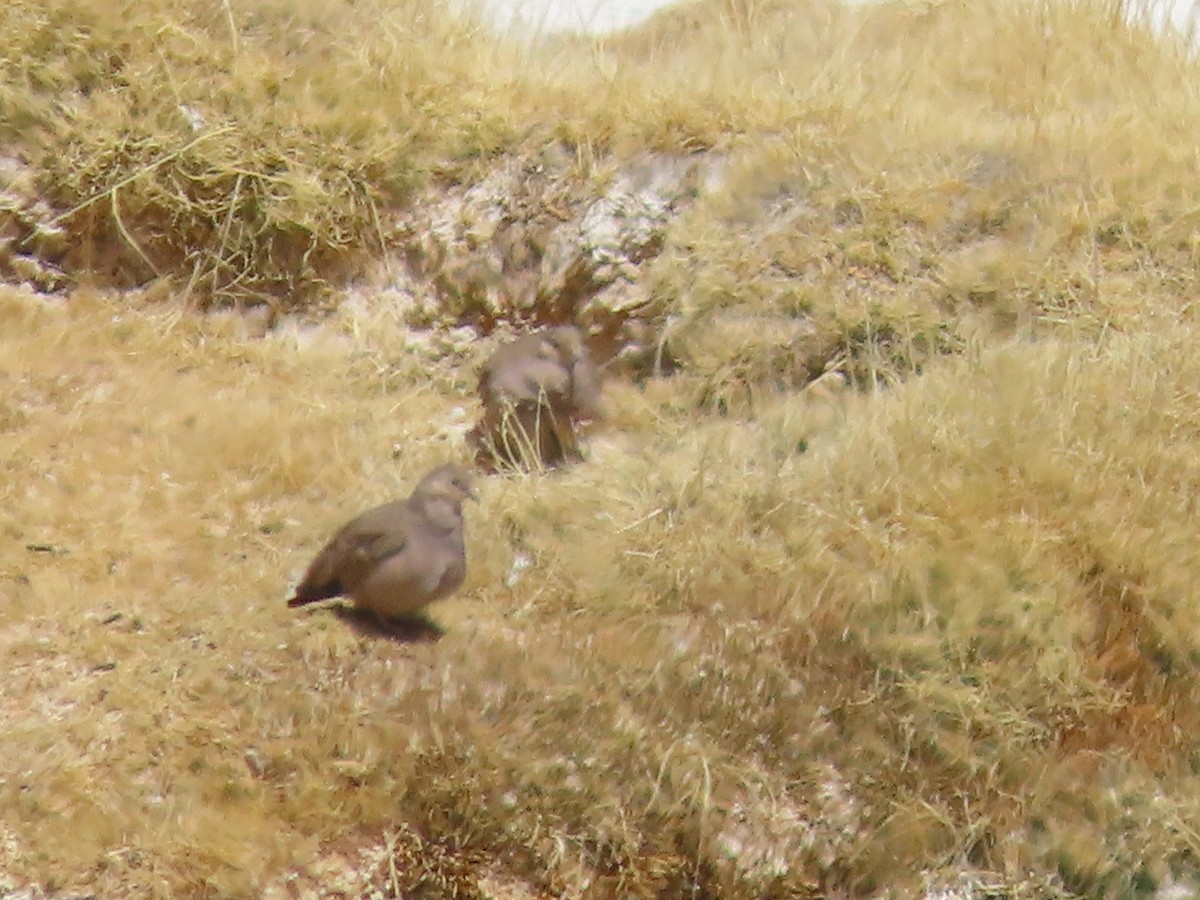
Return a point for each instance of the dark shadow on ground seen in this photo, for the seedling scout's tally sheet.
(408, 630)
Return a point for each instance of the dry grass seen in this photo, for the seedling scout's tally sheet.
(926, 177)
(246, 149)
(938, 632)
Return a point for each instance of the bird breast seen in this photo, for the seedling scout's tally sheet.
(402, 585)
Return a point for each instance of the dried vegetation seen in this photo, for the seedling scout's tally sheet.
(937, 633)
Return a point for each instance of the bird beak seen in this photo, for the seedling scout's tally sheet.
(472, 495)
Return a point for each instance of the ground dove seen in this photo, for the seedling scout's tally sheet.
(397, 558)
(535, 392)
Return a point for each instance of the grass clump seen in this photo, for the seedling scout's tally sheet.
(249, 150)
(877, 222)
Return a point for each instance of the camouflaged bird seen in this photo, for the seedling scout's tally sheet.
(536, 391)
(397, 558)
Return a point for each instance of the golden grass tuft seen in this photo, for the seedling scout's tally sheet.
(941, 630)
(250, 151)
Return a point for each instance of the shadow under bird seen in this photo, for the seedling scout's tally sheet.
(535, 391)
(396, 559)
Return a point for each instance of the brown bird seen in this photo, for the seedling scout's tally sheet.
(536, 391)
(397, 558)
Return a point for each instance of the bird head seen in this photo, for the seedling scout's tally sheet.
(568, 341)
(450, 482)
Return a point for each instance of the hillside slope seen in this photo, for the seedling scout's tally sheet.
(936, 632)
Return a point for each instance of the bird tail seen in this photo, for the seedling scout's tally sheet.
(309, 593)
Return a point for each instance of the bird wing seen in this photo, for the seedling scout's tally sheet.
(354, 553)
(585, 387)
